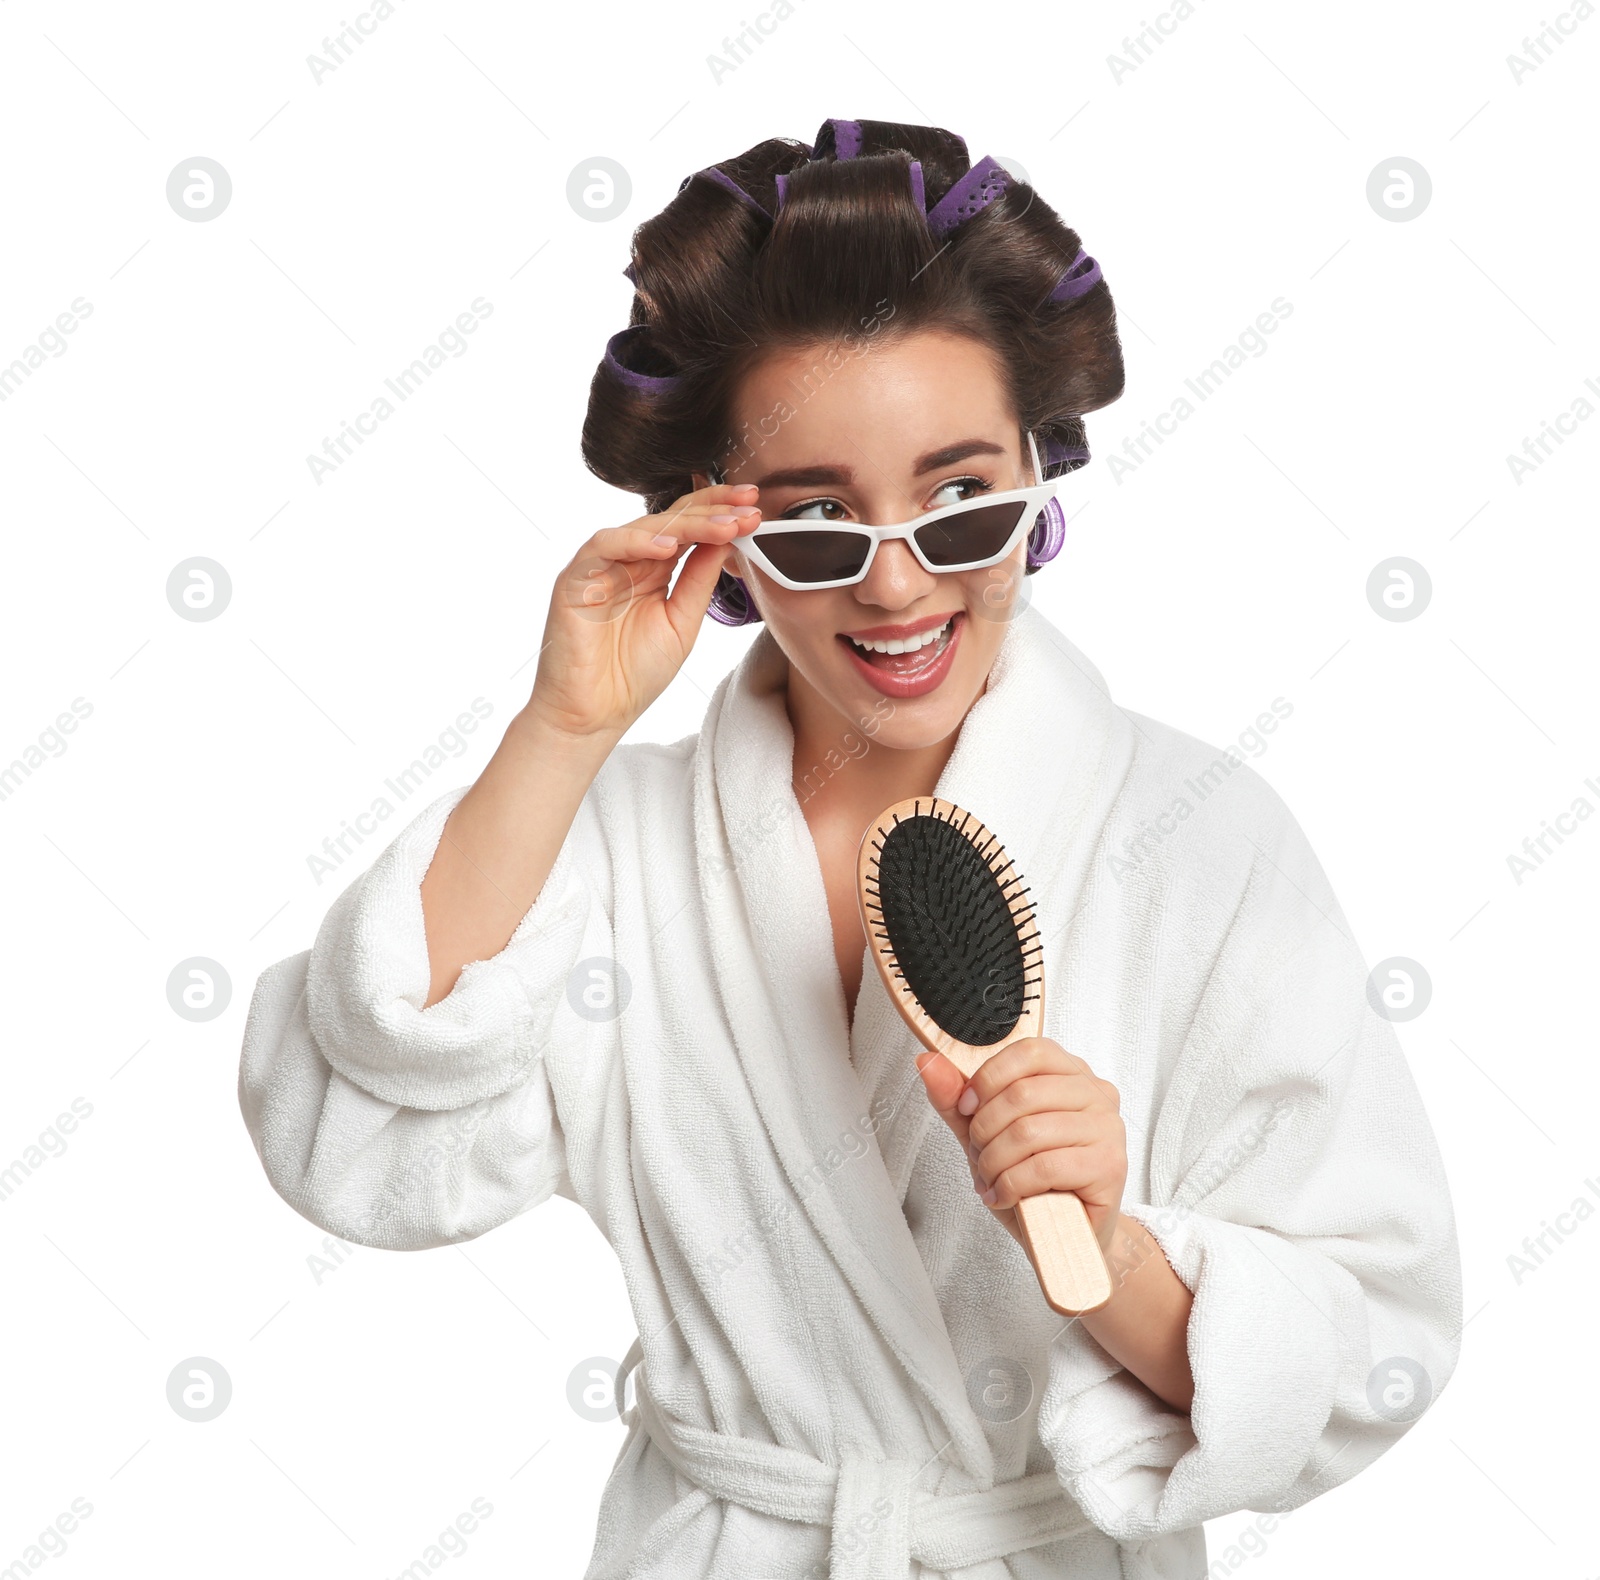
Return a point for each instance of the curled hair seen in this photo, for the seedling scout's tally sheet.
(879, 229)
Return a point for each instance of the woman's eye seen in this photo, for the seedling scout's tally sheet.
(815, 510)
(956, 490)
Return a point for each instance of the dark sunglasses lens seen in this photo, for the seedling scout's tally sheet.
(975, 534)
(816, 555)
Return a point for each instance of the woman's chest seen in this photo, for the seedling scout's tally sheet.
(837, 850)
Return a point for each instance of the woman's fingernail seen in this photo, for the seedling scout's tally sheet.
(967, 1103)
(989, 1197)
(663, 539)
(722, 518)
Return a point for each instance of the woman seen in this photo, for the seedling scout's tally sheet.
(635, 974)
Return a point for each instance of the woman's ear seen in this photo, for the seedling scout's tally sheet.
(701, 480)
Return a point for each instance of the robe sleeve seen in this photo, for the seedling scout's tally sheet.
(401, 1127)
(1297, 1190)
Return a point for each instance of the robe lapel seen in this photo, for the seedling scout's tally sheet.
(1039, 752)
(1040, 761)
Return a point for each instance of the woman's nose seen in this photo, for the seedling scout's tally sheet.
(896, 578)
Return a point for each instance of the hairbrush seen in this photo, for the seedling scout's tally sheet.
(953, 937)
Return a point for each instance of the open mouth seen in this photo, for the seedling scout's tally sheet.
(903, 662)
(880, 654)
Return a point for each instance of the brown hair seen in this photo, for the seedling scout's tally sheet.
(729, 270)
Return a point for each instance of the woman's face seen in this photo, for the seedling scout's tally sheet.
(904, 426)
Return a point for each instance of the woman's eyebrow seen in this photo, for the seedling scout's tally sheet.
(951, 453)
(819, 476)
(828, 475)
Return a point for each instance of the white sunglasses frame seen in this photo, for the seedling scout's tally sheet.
(1036, 497)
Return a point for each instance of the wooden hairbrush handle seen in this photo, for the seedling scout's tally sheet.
(1061, 1243)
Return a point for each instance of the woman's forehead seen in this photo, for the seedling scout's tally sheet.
(890, 407)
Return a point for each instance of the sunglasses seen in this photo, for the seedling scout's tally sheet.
(967, 536)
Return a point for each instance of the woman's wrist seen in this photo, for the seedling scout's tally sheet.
(534, 728)
(1145, 1324)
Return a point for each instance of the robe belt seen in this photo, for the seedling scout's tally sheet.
(878, 1520)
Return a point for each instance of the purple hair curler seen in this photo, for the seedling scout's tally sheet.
(916, 185)
(648, 383)
(731, 603)
(974, 192)
(1082, 275)
(847, 138)
(733, 186)
(1049, 533)
(1059, 457)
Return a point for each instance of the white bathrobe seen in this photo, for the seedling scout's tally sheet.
(848, 1369)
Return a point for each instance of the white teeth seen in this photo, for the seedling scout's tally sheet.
(909, 645)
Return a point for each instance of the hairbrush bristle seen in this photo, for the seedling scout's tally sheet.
(946, 907)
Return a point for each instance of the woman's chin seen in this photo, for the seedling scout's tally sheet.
(908, 724)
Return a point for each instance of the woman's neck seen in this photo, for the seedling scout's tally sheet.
(842, 769)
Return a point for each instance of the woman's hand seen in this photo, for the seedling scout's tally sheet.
(1035, 1118)
(614, 639)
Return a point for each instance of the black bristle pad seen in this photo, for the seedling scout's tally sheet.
(950, 926)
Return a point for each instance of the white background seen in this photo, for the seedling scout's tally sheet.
(1228, 169)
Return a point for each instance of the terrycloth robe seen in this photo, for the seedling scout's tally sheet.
(848, 1369)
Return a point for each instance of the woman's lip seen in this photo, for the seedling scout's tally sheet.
(892, 685)
(898, 633)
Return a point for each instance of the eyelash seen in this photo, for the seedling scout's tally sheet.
(983, 486)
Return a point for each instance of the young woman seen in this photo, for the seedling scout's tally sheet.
(636, 975)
